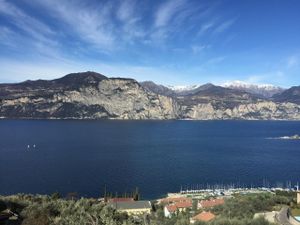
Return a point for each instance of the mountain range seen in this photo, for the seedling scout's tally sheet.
(262, 91)
(90, 95)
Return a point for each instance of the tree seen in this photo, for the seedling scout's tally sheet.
(55, 196)
(2, 205)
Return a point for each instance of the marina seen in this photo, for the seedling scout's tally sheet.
(197, 191)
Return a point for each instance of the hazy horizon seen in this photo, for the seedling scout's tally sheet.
(178, 86)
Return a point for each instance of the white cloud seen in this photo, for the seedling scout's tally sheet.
(129, 15)
(224, 26)
(205, 27)
(91, 23)
(293, 62)
(126, 10)
(199, 48)
(166, 12)
(111, 25)
(7, 37)
(95, 24)
(80, 28)
(33, 27)
(175, 19)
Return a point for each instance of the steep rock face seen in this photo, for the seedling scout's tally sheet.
(157, 89)
(98, 98)
(290, 95)
(262, 110)
(91, 95)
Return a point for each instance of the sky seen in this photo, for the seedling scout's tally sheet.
(171, 42)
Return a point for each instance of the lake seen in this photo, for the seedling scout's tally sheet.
(155, 156)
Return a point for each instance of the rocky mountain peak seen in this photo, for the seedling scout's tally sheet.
(290, 95)
(261, 90)
(88, 77)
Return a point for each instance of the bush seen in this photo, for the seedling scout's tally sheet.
(2, 205)
(245, 206)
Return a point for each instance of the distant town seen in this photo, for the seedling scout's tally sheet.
(269, 205)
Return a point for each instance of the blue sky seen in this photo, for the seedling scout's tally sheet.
(170, 42)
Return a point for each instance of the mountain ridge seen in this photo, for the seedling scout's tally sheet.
(90, 95)
(262, 90)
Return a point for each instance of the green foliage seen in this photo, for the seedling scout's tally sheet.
(296, 211)
(235, 221)
(2, 206)
(53, 210)
(286, 197)
(289, 194)
(200, 223)
(245, 206)
(195, 205)
(44, 210)
(55, 196)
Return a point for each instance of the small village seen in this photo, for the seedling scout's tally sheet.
(196, 206)
(199, 203)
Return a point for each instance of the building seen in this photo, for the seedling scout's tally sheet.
(176, 207)
(210, 203)
(174, 200)
(170, 210)
(110, 200)
(204, 216)
(298, 197)
(132, 207)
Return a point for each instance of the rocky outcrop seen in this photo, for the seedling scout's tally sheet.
(263, 110)
(157, 89)
(86, 98)
(290, 95)
(91, 95)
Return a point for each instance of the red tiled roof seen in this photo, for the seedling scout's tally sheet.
(171, 208)
(174, 200)
(211, 203)
(187, 204)
(204, 216)
(179, 205)
(120, 200)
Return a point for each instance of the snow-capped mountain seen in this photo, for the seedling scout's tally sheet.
(189, 89)
(264, 90)
(259, 90)
(183, 88)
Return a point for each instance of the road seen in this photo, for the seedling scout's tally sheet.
(282, 217)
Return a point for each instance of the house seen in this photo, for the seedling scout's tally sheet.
(210, 203)
(120, 200)
(171, 209)
(132, 207)
(174, 200)
(204, 216)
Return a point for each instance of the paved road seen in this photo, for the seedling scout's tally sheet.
(282, 217)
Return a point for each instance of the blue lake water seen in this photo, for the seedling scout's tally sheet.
(156, 156)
